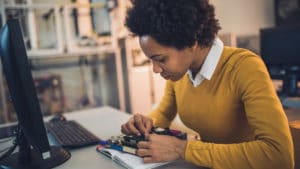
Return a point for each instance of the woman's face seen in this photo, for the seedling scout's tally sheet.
(170, 62)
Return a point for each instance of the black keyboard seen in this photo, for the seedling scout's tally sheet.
(70, 134)
(7, 131)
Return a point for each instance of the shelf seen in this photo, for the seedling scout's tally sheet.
(86, 51)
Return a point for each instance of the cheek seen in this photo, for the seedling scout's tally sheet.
(179, 67)
(176, 65)
(174, 71)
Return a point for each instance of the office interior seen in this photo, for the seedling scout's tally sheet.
(82, 56)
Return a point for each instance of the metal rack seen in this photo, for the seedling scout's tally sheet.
(65, 41)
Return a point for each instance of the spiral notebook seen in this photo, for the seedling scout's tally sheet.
(127, 160)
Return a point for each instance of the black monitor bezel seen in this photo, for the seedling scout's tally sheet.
(278, 32)
(32, 131)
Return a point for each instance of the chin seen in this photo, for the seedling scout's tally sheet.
(174, 79)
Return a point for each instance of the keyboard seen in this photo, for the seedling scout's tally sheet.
(70, 134)
(7, 131)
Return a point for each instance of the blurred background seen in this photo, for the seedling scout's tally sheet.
(82, 56)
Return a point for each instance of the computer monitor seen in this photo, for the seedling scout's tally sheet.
(287, 12)
(280, 51)
(34, 149)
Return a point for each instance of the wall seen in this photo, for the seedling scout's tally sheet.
(244, 17)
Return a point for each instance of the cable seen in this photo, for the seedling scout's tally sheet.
(6, 140)
(1, 151)
(18, 136)
(8, 153)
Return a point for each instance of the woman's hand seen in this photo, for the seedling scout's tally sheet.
(161, 148)
(138, 124)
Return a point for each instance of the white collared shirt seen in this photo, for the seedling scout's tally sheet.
(209, 65)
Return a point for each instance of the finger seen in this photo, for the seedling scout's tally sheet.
(143, 152)
(143, 145)
(148, 160)
(124, 129)
(133, 130)
(151, 137)
(139, 123)
(148, 125)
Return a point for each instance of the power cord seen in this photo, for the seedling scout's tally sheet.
(5, 140)
(10, 150)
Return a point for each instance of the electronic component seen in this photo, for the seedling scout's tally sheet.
(128, 143)
(132, 140)
(116, 145)
(170, 132)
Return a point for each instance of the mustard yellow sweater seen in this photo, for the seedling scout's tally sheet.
(237, 114)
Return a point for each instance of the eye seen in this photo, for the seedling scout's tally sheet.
(161, 60)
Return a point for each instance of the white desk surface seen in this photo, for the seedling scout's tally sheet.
(104, 122)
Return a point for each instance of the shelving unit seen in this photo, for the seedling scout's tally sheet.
(120, 81)
(35, 50)
(106, 56)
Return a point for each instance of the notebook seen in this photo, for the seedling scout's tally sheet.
(129, 161)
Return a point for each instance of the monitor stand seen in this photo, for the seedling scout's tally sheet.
(28, 158)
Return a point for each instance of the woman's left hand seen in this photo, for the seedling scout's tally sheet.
(161, 148)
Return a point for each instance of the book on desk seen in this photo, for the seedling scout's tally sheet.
(127, 160)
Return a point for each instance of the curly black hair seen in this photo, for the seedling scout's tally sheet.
(176, 23)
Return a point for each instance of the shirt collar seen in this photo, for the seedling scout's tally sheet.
(210, 63)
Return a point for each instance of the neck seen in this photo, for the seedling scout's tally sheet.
(200, 55)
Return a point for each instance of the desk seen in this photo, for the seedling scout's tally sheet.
(291, 102)
(104, 122)
(292, 114)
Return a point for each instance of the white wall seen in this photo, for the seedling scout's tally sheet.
(244, 17)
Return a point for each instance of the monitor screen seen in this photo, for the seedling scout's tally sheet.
(280, 50)
(23, 95)
(281, 46)
(287, 12)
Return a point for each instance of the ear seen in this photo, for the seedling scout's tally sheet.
(195, 46)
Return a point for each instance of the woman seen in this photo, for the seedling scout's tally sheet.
(223, 93)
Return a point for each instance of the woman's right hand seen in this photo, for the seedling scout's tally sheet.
(138, 124)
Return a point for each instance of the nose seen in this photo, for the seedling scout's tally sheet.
(156, 67)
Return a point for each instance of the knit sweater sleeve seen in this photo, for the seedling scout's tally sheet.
(272, 147)
(166, 110)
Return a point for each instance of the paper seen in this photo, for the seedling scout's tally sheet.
(127, 160)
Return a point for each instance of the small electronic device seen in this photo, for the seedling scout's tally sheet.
(132, 140)
(128, 143)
